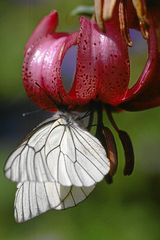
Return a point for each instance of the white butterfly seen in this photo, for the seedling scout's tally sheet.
(56, 167)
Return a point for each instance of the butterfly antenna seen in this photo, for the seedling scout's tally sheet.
(32, 112)
(48, 95)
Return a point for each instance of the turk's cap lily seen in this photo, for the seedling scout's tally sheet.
(99, 62)
(102, 71)
(44, 54)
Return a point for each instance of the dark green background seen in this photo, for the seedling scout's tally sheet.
(126, 210)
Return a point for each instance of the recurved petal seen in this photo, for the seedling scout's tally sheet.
(32, 74)
(86, 79)
(113, 63)
(85, 85)
(102, 63)
(52, 64)
(47, 25)
(146, 92)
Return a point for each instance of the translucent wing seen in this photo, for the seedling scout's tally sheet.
(28, 161)
(59, 151)
(79, 159)
(34, 198)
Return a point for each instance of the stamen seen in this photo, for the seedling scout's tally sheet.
(110, 117)
(90, 123)
(111, 150)
(108, 7)
(127, 145)
(128, 151)
(98, 4)
(123, 23)
(107, 140)
(141, 11)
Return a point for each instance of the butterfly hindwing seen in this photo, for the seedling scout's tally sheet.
(34, 198)
(81, 159)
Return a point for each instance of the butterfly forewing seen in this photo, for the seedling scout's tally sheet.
(80, 156)
(28, 161)
(59, 151)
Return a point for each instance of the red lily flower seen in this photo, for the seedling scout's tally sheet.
(44, 54)
(97, 54)
(102, 66)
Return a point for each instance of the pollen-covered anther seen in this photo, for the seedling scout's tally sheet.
(126, 144)
(128, 152)
(107, 140)
(111, 150)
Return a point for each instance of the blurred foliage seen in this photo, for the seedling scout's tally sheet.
(129, 208)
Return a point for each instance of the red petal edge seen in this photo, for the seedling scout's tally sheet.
(146, 92)
(46, 26)
(33, 59)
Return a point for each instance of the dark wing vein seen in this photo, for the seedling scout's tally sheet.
(106, 163)
(90, 161)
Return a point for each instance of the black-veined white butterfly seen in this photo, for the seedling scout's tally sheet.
(55, 167)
